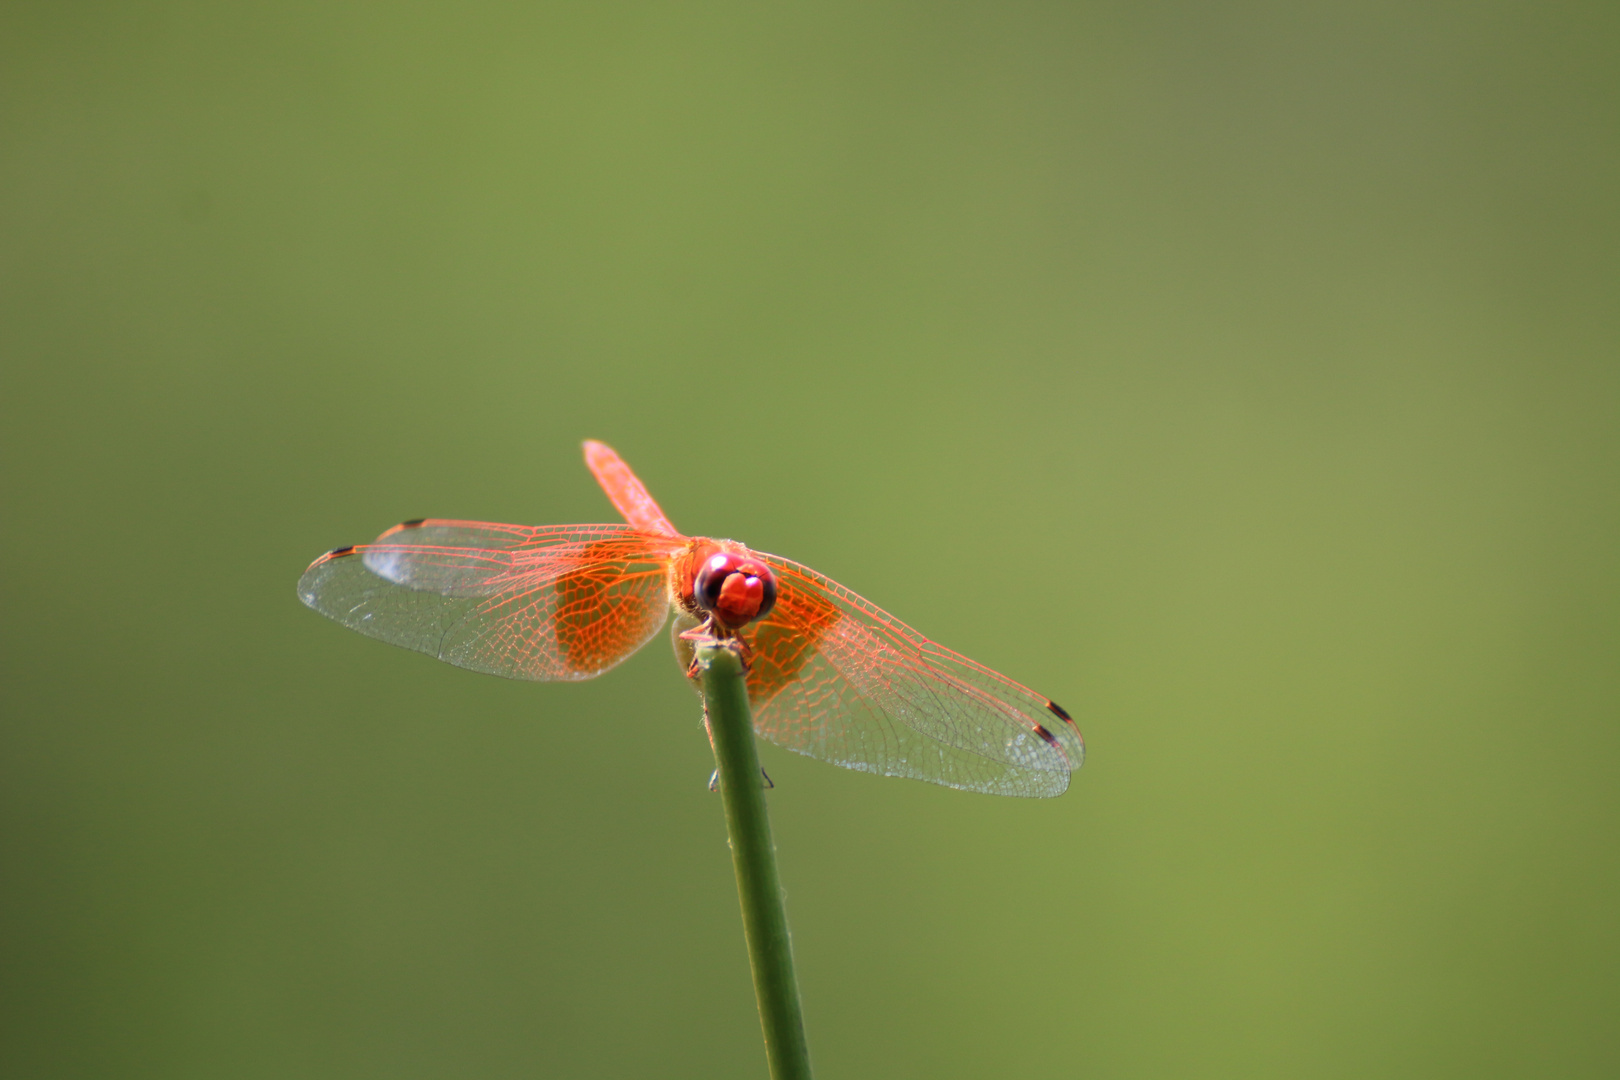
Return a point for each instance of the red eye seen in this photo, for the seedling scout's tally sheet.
(735, 590)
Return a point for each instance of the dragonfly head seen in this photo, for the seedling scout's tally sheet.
(735, 589)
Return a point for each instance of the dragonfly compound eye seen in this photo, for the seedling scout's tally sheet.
(735, 590)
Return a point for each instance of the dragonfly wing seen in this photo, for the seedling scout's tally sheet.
(625, 490)
(549, 602)
(839, 679)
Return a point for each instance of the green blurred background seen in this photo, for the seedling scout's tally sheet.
(1243, 376)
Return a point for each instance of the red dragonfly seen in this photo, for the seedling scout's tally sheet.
(829, 674)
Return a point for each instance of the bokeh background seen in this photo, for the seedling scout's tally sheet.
(1243, 376)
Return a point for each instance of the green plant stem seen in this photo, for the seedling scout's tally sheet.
(753, 854)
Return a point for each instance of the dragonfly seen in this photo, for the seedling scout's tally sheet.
(830, 674)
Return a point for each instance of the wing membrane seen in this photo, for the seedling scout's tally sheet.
(837, 678)
(625, 490)
(559, 602)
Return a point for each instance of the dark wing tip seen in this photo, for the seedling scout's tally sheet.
(1058, 711)
(1048, 736)
(411, 524)
(338, 553)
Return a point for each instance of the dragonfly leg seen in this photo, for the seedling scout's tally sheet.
(710, 632)
(701, 634)
(714, 780)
